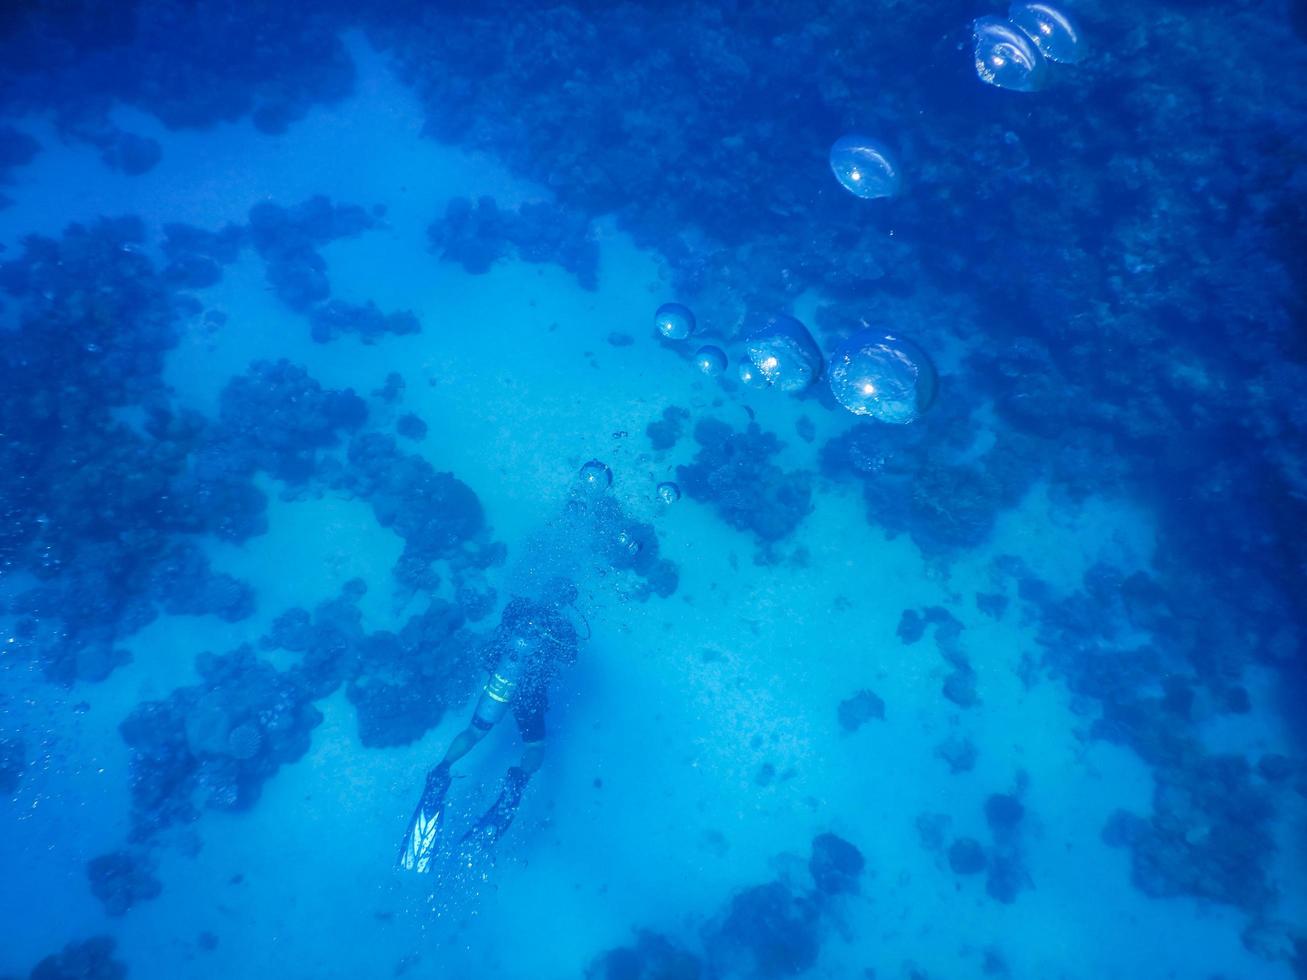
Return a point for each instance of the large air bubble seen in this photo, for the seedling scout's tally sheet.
(864, 166)
(782, 351)
(710, 360)
(1054, 31)
(885, 377)
(1006, 57)
(674, 321)
(596, 477)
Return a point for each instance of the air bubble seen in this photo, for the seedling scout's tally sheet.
(710, 361)
(674, 321)
(864, 166)
(596, 477)
(884, 377)
(1054, 31)
(1006, 57)
(783, 353)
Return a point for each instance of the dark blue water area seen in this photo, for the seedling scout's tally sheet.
(829, 479)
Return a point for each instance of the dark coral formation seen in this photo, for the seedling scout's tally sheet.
(1004, 813)
(400, 684)
(1007, 878)
(966, 856)
(651, 957)
(960, 682)
(437, 515)
(131, 154)
(214, 744)
(17, 149)
(287, 239)
(960, 687)
(1209, 833)
(410, 426)
(276, 419)
(325, 640)
(196, 257)
(666, 430)
(862, 707)
(734, 472)
(478, 235)
(120, 879)
(836, 865)
(405, 682)
(1133, 354)
(1110, 289)
(768, 930)
(91, 959)
(959, 752)
(94, 497)
(912, 627)
(99, 500)
(185, 585)
(773, 929)
(191, 65)
(336, 317)
(1001, 861)
(924, 479)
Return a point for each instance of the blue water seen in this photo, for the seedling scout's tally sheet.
(952, 628)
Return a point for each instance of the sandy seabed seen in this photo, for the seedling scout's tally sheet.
(649, 812)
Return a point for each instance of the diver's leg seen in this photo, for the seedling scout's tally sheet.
(529, 713)
(488, 712)
(533, 754)
(463, 743)
(419, 844)
(492, 825)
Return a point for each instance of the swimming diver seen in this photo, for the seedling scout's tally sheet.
(534, 638)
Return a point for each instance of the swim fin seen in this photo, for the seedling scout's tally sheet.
(495, 822)
(424, 829)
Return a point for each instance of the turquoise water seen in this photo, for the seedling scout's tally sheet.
(850, 644)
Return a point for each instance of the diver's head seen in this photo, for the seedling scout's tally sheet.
(522, 643)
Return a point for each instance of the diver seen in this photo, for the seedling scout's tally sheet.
(533, 640)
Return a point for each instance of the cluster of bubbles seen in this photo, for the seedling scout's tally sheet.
(873, 374)
(595, 477)
(675, 321)
(1012, 53)
(877, 374)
